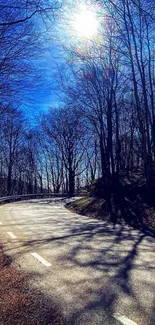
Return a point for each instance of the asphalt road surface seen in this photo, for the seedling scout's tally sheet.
(96, 273)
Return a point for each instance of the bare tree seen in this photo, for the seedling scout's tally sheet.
(65, 127)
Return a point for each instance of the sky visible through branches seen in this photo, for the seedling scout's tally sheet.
(93, 60)
(76, 28)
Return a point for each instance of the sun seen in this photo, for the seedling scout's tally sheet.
(85, 22)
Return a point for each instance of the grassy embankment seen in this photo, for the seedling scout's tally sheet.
(132, 203)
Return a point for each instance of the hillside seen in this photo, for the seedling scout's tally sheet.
(132, 202)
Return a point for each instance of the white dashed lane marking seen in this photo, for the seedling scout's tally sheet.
(0, 223)
(41, 259)
(11, 234)
(124, 320)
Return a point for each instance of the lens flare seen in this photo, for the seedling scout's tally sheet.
(85, 22)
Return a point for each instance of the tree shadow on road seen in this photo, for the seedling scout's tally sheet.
(105, 270)
(111, 254)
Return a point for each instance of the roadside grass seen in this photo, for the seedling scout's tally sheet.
(90, 206)
(19, 304)
(136, 213)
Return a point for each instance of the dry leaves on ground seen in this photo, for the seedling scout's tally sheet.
(18, 303)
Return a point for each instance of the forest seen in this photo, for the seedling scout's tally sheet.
(103, 125)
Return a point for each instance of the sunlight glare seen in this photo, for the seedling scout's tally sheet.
(85, 22)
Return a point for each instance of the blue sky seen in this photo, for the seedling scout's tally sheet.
(45, 96)
(61, 34)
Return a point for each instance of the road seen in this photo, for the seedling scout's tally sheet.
(93, 271)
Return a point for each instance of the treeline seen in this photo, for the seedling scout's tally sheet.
(57, 156)
(105, 124)
(19, 156)
(50, 157)
(108, 94)
(22, 41)
(111, 83)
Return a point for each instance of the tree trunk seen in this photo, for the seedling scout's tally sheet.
(71, 182)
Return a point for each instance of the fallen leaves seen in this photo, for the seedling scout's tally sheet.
(19, 304)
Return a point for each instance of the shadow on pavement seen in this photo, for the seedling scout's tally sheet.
(104, 269)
